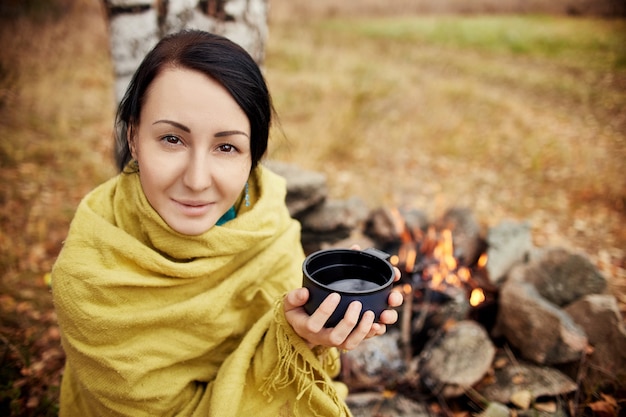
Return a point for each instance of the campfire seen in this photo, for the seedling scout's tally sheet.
(427, 261)
(438, 285)
(488, 317)
(478, 313)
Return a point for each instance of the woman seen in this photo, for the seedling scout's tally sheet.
(177, 287)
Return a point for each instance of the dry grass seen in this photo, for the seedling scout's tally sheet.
(303, 9)
(514, 117)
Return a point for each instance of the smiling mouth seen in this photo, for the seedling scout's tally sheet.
(193, 208)
(192, 203)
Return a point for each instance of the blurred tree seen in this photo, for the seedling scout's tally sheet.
(137, 25)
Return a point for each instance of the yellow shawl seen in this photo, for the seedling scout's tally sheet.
(155, 323)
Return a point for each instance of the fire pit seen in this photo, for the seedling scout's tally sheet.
(556, 330)
(437, 285)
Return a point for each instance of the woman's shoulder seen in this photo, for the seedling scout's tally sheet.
(100, 199)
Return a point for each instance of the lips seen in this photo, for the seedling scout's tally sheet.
(193, 208)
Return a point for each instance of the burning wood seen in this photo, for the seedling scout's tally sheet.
(513, 297)
(427, 260)
(476, 297)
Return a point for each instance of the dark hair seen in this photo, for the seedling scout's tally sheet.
(213, 55)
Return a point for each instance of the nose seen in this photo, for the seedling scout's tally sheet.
(197, 174)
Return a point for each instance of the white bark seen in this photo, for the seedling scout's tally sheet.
(137, 25)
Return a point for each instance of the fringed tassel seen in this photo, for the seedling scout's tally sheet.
(298, 365)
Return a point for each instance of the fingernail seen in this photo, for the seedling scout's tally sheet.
(335, 297)
(302, 294)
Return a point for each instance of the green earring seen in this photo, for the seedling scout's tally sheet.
(246, 198)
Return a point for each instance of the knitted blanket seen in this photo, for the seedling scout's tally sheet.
(155, 323)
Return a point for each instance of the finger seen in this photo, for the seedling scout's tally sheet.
(296, 298)
(323, 313)
(373, 331)
(388, 317)
(355, 247)
(395, 299)
(378, 329)
(346, 325)
(360, 332)
(397, 275)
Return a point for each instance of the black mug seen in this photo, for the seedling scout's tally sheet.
(356, 275)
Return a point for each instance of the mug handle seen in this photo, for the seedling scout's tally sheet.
(378, 253)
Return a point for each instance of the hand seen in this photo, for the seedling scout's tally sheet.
(349, 332)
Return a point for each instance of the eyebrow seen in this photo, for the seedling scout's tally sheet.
(186, 129)
(175, 124)
(230, 133)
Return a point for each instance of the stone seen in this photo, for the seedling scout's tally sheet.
(376, 361)
(563, 277)
(305, 189)
(368, 404)
(416, 221)
(600, 318)
(456, 360)
(513, 378)
(508, 243)
(382, 227)
(386, 226)
(332, 221)
(541, 331)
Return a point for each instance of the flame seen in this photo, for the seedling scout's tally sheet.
(410, 259)
(407, 252)
(482, 261)
(434, 250)
(476, 297)
(436, 279)
(464, 274)
(453, 279)
(446, 271)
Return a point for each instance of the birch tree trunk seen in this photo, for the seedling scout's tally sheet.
(135, 26)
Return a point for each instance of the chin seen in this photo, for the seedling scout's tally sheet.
(193, 229)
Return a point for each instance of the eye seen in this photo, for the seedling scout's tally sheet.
(171, 140)
(227, 148)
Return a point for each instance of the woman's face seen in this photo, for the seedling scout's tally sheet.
(193, 149)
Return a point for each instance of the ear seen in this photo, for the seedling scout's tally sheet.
(130, 138)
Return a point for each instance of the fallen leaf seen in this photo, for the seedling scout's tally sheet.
(500, 363)
(604, 408)
(547, 407)
(609, 399)
(389, 394)
(522, 399)
(518, 379)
